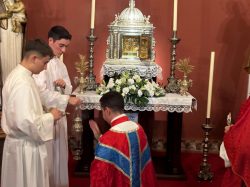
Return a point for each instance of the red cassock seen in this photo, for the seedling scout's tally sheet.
(237, 145)
(122, 158)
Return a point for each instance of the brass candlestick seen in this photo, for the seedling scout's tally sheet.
(204, 173)
(91, 81)
(76, 135)
(172, 86)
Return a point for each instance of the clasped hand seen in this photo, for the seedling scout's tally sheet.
(60, 82)
(94, 127)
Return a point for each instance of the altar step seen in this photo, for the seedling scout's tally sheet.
(191, 164)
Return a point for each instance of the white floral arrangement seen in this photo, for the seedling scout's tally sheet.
(134, 89)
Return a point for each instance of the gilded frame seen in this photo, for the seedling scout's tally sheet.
(130, 45)
(145, 47)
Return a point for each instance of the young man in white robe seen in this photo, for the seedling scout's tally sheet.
(55, 88)
(27, 127)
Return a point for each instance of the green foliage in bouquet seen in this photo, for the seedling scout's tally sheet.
(134, 89)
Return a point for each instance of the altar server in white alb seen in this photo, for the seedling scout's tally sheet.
(55, 88)
(27, 127)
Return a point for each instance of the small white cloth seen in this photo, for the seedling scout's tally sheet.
(223, 155)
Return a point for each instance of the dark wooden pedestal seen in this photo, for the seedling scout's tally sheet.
(170, 166)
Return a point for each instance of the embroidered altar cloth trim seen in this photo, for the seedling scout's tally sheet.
(149, 71)
(170, 102)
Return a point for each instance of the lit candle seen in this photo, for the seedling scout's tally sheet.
(92, 14)
(210, 84)
(175, 15)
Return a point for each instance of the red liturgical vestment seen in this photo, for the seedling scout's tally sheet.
(237, 144)
(122, 157)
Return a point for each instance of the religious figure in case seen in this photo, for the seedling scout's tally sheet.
(130, 46)
(145, 46)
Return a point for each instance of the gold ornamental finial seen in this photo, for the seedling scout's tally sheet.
(82, 68)
(183, 66)
(82, 65)
(185, 84)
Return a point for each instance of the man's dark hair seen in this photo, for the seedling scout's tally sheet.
(59, 32)
(113, 100)
(39, 46)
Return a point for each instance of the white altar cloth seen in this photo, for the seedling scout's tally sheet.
(170, 102)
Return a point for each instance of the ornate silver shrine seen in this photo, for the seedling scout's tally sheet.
(130, 45)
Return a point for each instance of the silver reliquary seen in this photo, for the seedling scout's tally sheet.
(130, 45)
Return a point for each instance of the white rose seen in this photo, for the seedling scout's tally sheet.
(110, 83)
(118, 81)
(132, 87)
(139, 93)
(125, 90)
(135, 77)
(123, 80)
(131, 81)
(151, 93)
(118, 89)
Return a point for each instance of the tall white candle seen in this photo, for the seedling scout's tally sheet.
(175, 15)
(92, 23)
(210, 84)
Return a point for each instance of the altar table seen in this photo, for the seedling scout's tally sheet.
(174, 104)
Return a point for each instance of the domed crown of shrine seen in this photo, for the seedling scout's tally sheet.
(131, 16)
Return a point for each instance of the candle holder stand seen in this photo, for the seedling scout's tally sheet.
(204, 173)
(76, 135)
(173, 86)
(91, 85)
